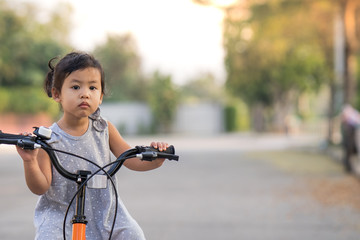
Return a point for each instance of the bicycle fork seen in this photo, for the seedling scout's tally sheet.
(79, 220)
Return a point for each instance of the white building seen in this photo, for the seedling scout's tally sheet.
(134, 118)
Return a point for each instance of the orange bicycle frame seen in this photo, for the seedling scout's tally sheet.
(78, 231)
(78, 221)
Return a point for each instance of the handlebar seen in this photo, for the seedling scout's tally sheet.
(42, 134)
(11, 138)
(150, 153)
(39, 140)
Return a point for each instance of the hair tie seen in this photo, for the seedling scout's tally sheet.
(98, 122)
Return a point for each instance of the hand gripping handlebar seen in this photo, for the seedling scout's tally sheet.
(39, 140)
(42, 134)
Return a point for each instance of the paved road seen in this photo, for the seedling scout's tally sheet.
(230, 187)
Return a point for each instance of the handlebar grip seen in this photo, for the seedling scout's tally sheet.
(168, 156)
(23, 141)
(151, 153)
(169, 150)
(11, 139)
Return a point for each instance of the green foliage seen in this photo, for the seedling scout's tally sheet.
(276, 52)
(357, 97)
(28, 100)
(236, 116)
(121, 63)
(202, 88)
(230, 119)
(268, 56)
(26, 46)
(163, 99)
(4, 99)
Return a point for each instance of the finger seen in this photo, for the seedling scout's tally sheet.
(162, 146)
(153, 144)
(158, 146)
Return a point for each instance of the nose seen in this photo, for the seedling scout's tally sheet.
(84, 94)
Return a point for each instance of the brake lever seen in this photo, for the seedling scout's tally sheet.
(28, 144)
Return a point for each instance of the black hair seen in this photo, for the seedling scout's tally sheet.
(70, 63)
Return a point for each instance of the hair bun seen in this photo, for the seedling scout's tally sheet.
(48, 83)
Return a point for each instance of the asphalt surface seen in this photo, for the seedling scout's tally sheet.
(227, 187)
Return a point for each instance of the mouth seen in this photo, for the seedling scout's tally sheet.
(84, 105)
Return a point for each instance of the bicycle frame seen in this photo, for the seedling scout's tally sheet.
(81, 177)
(79, 220)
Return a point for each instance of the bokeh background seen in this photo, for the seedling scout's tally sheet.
(279, 66)
(251, 93)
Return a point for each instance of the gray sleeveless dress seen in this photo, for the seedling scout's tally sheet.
(100, 203)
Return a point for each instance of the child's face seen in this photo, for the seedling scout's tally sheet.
(81, 93)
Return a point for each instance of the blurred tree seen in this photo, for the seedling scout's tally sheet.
(122, 65)
(276, 50)
(26, 45)
(29, 100)
(236, 116)
(273, 55)
(350, 12)
(4, 99)
(203, 88)
(163, 99)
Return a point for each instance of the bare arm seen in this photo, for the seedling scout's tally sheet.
(118, 146)
(37, 168)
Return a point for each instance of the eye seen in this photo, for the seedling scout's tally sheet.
(93, 88)
(75, 87)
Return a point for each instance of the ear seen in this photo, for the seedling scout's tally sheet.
(101, 98)
(55, 95)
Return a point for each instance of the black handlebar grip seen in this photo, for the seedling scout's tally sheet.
(11, 139)
(170, 150)
(151, 153)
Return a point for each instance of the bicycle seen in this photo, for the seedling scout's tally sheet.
(39, 140)
(349, 125)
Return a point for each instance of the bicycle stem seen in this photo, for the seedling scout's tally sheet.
(79, 220)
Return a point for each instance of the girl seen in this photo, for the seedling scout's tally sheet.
(77, 83)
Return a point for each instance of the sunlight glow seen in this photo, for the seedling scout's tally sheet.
(177, 37)
(224, 3)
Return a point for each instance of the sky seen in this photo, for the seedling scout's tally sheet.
(176, 37)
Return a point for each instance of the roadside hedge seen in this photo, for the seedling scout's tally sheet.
(236, 115)
(28, 100)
